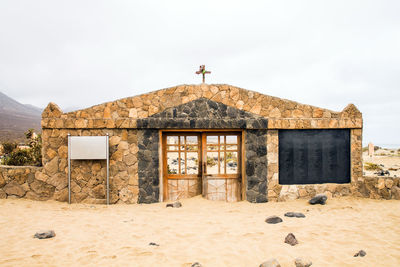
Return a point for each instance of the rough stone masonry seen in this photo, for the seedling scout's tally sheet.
(134, 124)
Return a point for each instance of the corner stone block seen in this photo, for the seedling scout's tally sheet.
(52, 111)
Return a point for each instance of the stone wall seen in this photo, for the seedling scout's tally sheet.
(148, 168)
(256, 165)
(88, 177)
(124, 113)
(217, 106)
(274, 188)
(377, 188)
(24, 182)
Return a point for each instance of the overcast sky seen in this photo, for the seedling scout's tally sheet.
(323, 53)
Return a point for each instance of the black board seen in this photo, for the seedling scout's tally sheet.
(314, 156)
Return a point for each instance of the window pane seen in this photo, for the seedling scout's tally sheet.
(222, 163)
(172, 147)
(212, 139)
(182, 140)
(212, 162)
(212, 147)
(192, 163)
(183, 163)
(231, 139)
(172, 140)
(191, 140)
(222, 139)
(191, 148)
(231, 162)
(231, 147)
(172, 163)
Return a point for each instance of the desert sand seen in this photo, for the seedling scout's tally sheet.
(387, 159)
(209, 232)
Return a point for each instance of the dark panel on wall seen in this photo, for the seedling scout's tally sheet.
(314, 156)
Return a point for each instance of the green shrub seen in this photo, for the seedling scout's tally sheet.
(30, 156)
(19, 157)
(8, 147)
(372, 166)
(35, 144)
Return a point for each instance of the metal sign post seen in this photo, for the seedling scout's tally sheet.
(88, 148)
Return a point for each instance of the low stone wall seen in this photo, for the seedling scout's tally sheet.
(27, 182)
(378, 188)
(367, 187)
(22, 182)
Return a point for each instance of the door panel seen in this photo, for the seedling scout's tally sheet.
(182, 159)
(202, 163)
(222, 176)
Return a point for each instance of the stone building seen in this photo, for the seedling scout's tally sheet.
(220, 141)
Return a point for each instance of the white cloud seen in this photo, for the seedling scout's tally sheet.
(324, 53)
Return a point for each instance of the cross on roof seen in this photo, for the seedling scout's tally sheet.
(202, 70)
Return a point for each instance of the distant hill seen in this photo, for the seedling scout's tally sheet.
(16, 118)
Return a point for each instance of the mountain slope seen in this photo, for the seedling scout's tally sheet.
(16, 118)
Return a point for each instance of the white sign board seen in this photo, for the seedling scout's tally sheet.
(88, 147)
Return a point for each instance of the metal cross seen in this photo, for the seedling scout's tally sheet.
(203, 71)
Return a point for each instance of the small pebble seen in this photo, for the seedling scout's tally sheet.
(295, 214)
(291, 239)
(273, 220)
(361, 253)
(45, 234)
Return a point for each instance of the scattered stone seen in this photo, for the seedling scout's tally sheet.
(318, 199)
(45, 234)
(270, 263)
(153, 244)
(176, 204)
(295, 214)
(273, 220)
(361, 253)
(196, 264)
(299, 262)
(291, 239)
(382, 173)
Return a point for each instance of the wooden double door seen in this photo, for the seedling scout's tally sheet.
(207, 163)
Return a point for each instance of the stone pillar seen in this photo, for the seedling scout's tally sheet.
(356, 154)
(273, 168)
(148, 167)
(371, 150)
(256, 166)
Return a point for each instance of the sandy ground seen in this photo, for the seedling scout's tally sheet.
(212, 233)
(388, 159)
